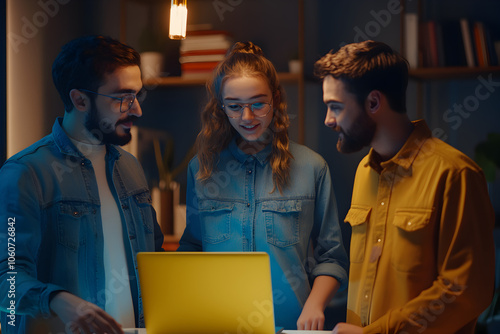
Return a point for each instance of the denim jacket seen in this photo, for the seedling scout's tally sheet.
(51, 221)
(237, 210)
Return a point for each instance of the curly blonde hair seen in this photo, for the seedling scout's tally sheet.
(243, 59)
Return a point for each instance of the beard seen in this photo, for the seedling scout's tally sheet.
(358, 137)
(104, 131)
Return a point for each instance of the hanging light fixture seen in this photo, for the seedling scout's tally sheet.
(178, 19)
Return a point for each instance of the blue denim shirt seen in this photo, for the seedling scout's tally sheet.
(237, 210)
(49, 195)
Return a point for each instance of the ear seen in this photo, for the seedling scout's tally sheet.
(81, 102)
(373, 101)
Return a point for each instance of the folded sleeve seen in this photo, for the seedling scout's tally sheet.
(329, 252)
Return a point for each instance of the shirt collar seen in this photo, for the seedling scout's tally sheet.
(67, 147)
(242, 157)
(407, 154)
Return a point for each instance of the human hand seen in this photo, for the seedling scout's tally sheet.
(81, 316)
(343, 328)
(311, 318)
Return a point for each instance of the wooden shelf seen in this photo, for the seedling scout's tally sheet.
(180, 81)
(285, 78)
(447, 73)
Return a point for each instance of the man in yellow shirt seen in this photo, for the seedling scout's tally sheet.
(422, 251)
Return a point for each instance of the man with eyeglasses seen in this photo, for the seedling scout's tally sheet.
(78, 207)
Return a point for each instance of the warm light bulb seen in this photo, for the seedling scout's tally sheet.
(178, 19)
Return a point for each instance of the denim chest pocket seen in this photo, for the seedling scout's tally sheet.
(143, 202)
(216, 220)
(358, 217)
(412, 239)
(282, 222)
(71, 220)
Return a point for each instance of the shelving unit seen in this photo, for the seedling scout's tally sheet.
(182, 82)
(424, 75)
(441, 73)
(451, 73)
(285, 78)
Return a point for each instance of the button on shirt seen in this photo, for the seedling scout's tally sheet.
(237, 210)
(422, 254)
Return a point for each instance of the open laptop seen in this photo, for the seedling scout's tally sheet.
(207, 292)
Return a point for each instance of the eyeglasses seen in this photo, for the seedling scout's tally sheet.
(126, 101)
(259, 109)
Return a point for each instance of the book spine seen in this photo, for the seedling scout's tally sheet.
(411, 39)
(480, 44)
(467, 40)
(433, 44)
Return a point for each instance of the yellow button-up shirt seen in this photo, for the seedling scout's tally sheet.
(422, 251)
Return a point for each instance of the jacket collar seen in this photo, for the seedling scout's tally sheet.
(67, 147)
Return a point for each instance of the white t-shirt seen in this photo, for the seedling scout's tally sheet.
(119, 303)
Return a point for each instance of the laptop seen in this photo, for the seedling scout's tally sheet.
(207, 292)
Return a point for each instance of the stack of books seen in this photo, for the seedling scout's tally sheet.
(201, 51)
(449, 43)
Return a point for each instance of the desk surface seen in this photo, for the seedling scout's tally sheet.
(143, 331)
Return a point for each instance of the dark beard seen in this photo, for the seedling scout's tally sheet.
(104, 131)
(359, 136)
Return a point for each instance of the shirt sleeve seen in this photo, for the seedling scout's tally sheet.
(191, 238)
(21, 233)
(329, 252)
(465, 282)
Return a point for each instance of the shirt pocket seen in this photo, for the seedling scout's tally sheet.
(144, 204)
(216, 220)
(358, 217)
(282, 222)
(412, 239)
(71, 218)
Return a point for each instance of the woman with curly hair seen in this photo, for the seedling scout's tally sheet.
(252, 189)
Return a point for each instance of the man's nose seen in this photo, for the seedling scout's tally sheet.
(330, 120)
(136, 109)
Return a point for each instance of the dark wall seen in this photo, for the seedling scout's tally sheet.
(3, 82)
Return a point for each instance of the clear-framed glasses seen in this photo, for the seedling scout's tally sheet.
(126, 100)
(235, 110)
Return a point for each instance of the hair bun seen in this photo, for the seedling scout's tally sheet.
(246, 47)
